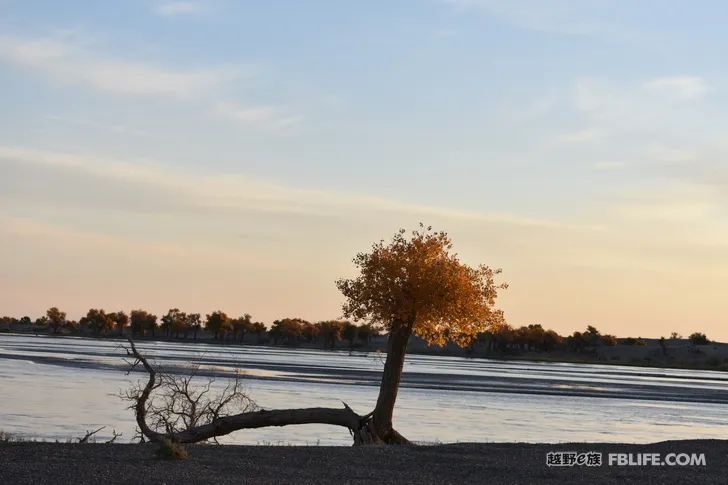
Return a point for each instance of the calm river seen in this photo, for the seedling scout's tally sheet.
(57, 388)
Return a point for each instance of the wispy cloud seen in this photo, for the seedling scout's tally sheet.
(581, 136)
(563, 17)
(174, 9)
(109, 127)
(678, 87)
(656, 129)
(235, 192)
(624, 108)
(663, 153)
(65, 62)
(263, 116)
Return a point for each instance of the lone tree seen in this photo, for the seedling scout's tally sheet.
(219, 324)
(413, 285)
(119, 320)
(56, 319)
(417, 285)
(142, 322)
(97, 320)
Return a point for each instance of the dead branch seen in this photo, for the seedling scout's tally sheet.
(89, 434)
(115, 435)
(171, 407)
(140, 399)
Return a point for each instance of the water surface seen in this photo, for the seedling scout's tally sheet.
(56, 388)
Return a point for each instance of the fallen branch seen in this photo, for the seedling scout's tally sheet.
(89, 434)
(170, 416)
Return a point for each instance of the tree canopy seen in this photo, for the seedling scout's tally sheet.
(56, 319)
(419, 283)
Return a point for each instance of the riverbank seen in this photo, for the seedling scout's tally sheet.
(33, 463)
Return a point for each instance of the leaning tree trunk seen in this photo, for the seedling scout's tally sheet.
(384, 410)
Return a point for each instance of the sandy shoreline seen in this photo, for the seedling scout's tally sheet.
(32, 463)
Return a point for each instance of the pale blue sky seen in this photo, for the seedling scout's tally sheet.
(236, 154)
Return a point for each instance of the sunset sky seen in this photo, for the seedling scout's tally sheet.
(236, 155)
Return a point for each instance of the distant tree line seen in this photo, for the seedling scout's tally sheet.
(502, 338)
(179, 324)
(505, 338)
(534, 337)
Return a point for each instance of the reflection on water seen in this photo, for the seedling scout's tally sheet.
(56, 388)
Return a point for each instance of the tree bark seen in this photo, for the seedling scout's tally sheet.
(384, 410)
(345, 417)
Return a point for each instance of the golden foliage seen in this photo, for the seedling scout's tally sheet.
(417, 284)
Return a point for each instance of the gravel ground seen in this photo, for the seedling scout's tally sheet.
(24, 463)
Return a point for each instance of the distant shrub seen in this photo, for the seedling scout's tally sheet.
(170, 450)
(633, 341)
(698, 338)
(609, 340)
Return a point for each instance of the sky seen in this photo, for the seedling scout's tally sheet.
(236, 155)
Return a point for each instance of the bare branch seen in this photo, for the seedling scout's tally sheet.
(115, 435)
(140, 406)
(171, 407)
(89, 434)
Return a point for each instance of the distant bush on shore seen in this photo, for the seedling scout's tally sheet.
(698, 338)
